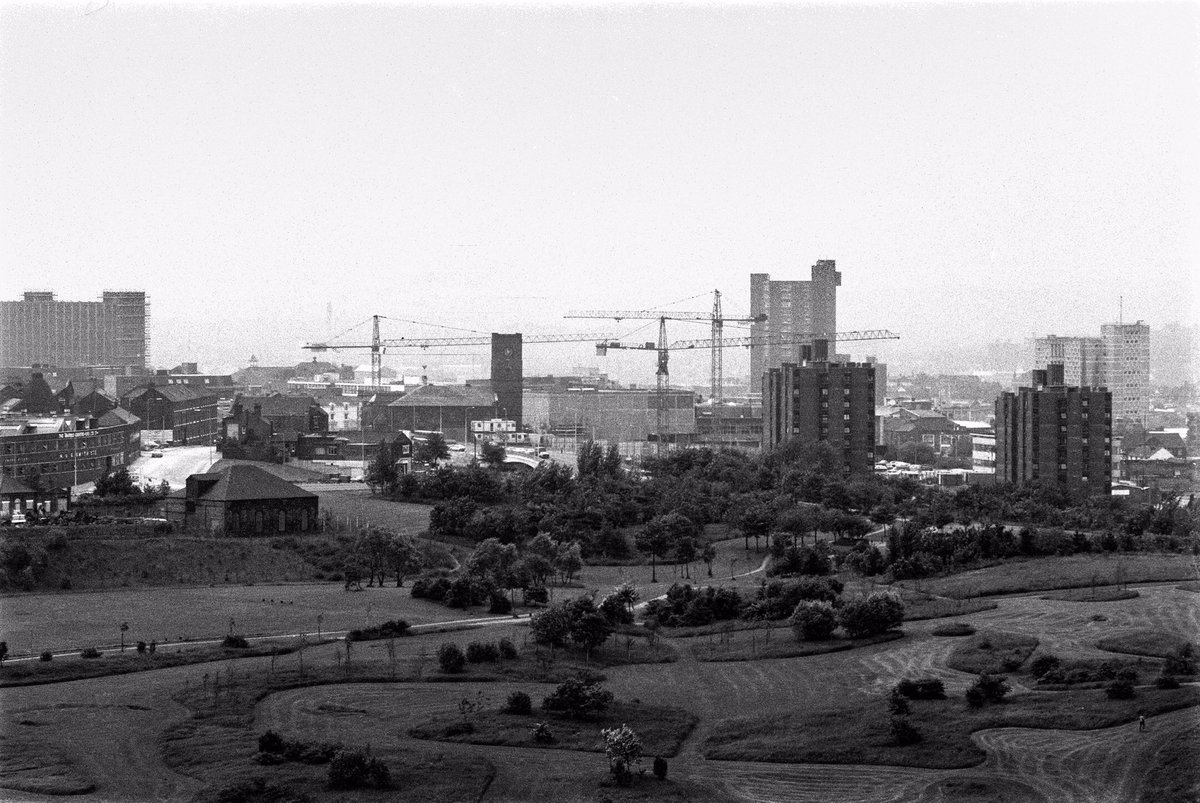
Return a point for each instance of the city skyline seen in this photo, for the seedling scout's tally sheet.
(978, 174)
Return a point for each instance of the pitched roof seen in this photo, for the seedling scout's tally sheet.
(241, 482)
(117, 416)
(1167, 440)
(278, 404)
(447, 396)
(175, 393)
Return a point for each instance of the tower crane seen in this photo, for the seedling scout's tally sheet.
(664, 349)
(716, 319)
(379, 346)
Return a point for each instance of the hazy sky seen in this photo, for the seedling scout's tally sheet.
(978, 172)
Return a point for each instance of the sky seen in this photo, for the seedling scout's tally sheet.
(273, 175)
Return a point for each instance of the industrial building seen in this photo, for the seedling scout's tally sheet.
(793, 309)
(66, 450)
(175, 413)
(39, 330)
(1055, 434)
(611, 415)
(822, 402)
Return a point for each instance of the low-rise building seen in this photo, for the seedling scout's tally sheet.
(243, 500)
(65, 451)
(187, 414)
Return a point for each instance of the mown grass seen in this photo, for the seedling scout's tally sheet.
(1072, 571)
(918, 606)
(1093, 594)
(781, 644)
(954, 629)
(992, 651)
(661, 729)
(1154, 643)
(114, 662)
(858, 733)
(1175, 774)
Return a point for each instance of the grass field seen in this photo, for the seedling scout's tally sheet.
(755, 645)
(1092, 594)
(1073, 571)
(992, 651)
(860, 733)
(1154, 643)
(660, 728)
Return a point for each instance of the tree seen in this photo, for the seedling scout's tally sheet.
(432, 448)
(611, 465)
(813, 620)
(382, 472)
(3, 651)
(115, 483)
(590, 631)
(451, 658)
(402, 558)
(708, 554)
(624, 750)
(877, 613)
(755, 522)
(577, 697)
(590, 459)
(918, 453)
(551, 626)
(492, 454)
(371, 550)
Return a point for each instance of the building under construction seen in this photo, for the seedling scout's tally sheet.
(39, 330)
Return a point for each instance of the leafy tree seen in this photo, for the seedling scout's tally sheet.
(115, 483)
(402, 558)
(578, 697)
(492, 454)
(813, 620)
(659, 536)
(551, 626)
(451, 658)
(708, 554)
(755, 522)
(611, 465)
(371, 551)
(382, 472)
(590, 631)
(431, 448)
(589, 459)
(3, 651)
(877, 613)
(918, 453)
(569, 560)
(624, 750)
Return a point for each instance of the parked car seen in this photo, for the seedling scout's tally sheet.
(156, 454)
(456, 447)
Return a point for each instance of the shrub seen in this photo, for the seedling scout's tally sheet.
(542, 734)
(518, 703)
(499, 603)
(451, 658)
(1181, 662)
(660, 768)
(353, 769)
(481, 652)
(390, 629)
(235, 642)
(507, 648)
(551, 626)
(897, 704)
(1120, 689)
(1042, 664)
(927, 689)
(578, 698)
(813, 620)
(90, 652)
(459, 728)
(878, 613)
(270, 742)
(141, 647)
(903, 731)
(954, 629)
(1166, 681)
(47, 656)
(989, 688)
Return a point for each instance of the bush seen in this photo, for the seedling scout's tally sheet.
(813, 620)
(1165, 681)
(988, 689)
(391, 629)
(459, 728)
(954, 629)
(897, 705)
(507, 648)
(1120, 689)
(1042, 664)
(353, 769)
(542, 734)
(47, 656)
(235, 642)
(878, 613)
(481, 652)
(90, 652)
(518, 703)
(499, 603)
(927, 689)
(660, 768)
(903, 732)
(578, 698)
(451, 658)
(270, 742)
(141, 647)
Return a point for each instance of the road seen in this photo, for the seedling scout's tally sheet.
(176, 463)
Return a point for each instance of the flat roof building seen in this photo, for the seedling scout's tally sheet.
(39, 330)
(793, 309)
